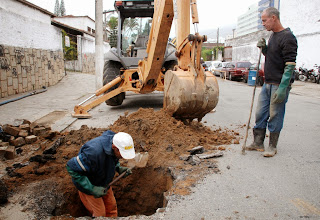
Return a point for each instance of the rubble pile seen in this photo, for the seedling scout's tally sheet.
(34, 157)
(12, 138)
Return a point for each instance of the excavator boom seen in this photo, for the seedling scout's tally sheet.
(189, 91)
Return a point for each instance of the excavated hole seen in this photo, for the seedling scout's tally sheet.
(142, 193)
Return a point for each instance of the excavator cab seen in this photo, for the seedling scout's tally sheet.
(134, 26)
(145, 61)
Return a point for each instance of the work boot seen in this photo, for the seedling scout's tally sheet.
(271, 150)
(258, 139)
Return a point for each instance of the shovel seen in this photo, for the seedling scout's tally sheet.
(140, 160)
(254, 92)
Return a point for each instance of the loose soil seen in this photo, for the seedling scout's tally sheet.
(42, 186)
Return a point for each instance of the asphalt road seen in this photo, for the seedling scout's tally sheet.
(249, 186)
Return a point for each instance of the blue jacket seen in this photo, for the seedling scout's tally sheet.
(95, 160)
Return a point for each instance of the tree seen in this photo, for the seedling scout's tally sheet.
(57, 8)
(112, 26)
(62, 9)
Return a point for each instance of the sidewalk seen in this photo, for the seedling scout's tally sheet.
(53, 107)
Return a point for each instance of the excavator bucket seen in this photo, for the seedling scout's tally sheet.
(187, 96)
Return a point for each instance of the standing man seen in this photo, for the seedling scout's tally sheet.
(280, 57)
(94, 168)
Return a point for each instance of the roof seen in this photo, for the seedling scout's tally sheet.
(72, 16)
(29, 4)
(70, 29)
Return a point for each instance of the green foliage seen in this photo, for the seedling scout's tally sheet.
(113, 26)
(146, 29)
(206, 54)
(57, 8)
(70, 53)
(62, 8)
(216, 50)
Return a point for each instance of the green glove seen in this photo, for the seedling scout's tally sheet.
(281, 92)
(262, 44)
(84, 182)
(121, 169)
(98, 191)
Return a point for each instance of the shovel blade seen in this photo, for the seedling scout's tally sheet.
(140, 160)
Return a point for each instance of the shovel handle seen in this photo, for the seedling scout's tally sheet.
(117, 178)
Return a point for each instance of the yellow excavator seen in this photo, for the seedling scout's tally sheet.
(143, 63)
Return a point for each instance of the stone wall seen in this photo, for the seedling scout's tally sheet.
(86, 65)
(26, 69)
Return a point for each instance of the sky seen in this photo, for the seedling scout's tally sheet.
(212, 13)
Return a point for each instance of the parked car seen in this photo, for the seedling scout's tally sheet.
(207, 65)
(234, 70)
(254, 67)
(219, 71)
(214, 66)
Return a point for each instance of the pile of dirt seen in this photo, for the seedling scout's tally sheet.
(38, 172)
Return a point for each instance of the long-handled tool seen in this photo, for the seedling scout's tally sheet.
(254, 92)
(140, 160)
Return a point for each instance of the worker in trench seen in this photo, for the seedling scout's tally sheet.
(280, 57)
(94, 168)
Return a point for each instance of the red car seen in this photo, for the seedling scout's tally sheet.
(234, 70)
(254, 67)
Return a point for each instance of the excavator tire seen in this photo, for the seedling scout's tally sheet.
(111, 70)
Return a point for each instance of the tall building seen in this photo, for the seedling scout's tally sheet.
(250, 21)
(263, 4)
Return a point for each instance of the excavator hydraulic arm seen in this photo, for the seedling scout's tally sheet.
(189, 91)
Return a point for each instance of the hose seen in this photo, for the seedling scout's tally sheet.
(24, 96)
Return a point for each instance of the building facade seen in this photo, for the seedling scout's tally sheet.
(30, 48)
(250, 21)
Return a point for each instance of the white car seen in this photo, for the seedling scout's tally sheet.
(214, 66)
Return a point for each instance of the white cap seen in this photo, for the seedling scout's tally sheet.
(124, 143)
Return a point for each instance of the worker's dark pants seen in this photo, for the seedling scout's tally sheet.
(268, 113)
(104, 206)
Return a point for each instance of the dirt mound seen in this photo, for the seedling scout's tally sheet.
(38, 171)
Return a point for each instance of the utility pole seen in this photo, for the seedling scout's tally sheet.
(218, 37)
(99, 44)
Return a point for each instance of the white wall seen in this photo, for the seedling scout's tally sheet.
(303, 19)
(27, 27)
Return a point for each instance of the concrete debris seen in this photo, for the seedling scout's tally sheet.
(194, 160)
(212, 155)
(196, 150)
(184, 157)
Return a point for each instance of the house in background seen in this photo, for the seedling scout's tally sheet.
(31, 54)
(80, 54)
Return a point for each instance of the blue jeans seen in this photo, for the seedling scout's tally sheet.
(268, 113)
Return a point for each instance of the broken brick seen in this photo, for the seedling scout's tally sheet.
(25, 127)
(4, 144)
(31, 139)
(18, 142)
(14, 131)
(10, 153)
(23, 133)
(39, 131)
